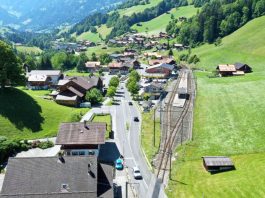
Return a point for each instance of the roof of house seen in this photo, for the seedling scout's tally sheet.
(115, 64)
(227, 68)
(217, 161)
(92, 64)
(163, 65)
(240, 65)
(37, 78)
(81, 133)
(159, 61)
(45, 72)
(42, 177)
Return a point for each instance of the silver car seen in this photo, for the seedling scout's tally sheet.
(137, 173)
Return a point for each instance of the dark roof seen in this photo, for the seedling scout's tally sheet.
(75, 91)
(44, 177)
(79, 133)
(217, 161)
(105, 180)
(84, 82)
(240, 65)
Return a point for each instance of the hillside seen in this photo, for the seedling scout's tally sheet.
(36, 118)
(229, 121)
(159, 23)
(138, 8)
(244, 45)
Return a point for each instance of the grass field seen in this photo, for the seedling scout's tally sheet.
(191, 180)
(29, 50)
(104, 30)
(93, 37)
(147, 135)
(138, 8)
(160, 23)
(229, 120)
(24, 114)
(104, 118)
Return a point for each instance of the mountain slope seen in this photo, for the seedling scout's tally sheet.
(229, 121)
(47, 14)
(245, 45)
(160, 23)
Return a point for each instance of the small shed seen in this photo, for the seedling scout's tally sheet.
(217, 163)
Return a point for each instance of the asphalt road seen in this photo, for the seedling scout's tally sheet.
(128, 135)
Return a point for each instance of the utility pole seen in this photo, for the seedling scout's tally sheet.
(170, 155)
(154, 143)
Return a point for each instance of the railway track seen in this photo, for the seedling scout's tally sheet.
(173, 128)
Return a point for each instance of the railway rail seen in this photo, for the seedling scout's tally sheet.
(173, 126)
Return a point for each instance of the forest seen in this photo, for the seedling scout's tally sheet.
(216, 19)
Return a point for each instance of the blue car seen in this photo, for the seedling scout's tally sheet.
(119, 164)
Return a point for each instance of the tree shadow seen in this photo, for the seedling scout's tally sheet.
(20, 109)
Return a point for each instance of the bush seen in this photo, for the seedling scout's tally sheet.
(45, 145)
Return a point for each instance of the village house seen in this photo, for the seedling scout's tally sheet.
(119, 67)
(226, 70)
(166, 60)
(55, 177)
(72, 90)
(160, 69)
(43, 79)
(236, 69)
(154, 89)
(81, 138)
(92, 66)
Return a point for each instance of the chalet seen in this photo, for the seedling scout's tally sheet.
(81, 138)
(226, 70)
(72, 90)
(154, 89)
(243, 67)
(92, 66)
(169, 61)
(163, 68)
(43, 79)
(119, 67)
(55, 177)
(217, 163)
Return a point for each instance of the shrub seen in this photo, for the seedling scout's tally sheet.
(45, 145)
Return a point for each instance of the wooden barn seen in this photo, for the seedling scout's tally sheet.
(226, 70)
(243, 67)
(217, 163)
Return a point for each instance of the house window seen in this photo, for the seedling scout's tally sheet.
(81, 152)
(74, 153)
(91, 152)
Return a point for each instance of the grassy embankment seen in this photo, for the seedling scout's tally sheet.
(29, 50)
(229, 120)
(25, 114)
(147, 135)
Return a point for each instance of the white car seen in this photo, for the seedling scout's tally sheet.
(137, 173)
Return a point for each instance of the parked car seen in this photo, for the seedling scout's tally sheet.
(130, 103)
(119, 164)
(136, 173)
(136, 119)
